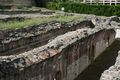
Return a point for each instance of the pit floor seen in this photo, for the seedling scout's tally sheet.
(103, 62)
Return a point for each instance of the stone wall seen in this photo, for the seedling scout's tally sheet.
(24, 2)
(60, 51)
(20, 40)
(64, 58)
(18, 2)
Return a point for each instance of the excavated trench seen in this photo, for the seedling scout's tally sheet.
(25, 39)
(103, 62)
(22, 40)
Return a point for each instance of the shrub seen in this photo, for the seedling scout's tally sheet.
(101, 10)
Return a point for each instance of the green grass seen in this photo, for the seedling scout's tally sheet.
(36, 21)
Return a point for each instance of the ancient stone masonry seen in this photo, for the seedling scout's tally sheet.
(32, 10)
(113, 73)
(21, 15)
(17, 2)
(65, 50)
(12, 41)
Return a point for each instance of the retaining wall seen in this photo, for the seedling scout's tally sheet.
(21, 40)
(18, 2)
(52, 51)
(64, 58)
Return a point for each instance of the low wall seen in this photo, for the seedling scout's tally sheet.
(20, 40)
(18, 2)
(20, 12)
(64, 58)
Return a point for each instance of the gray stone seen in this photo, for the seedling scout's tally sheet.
(114, 18)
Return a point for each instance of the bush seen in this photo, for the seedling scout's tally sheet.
(101, 10)
(53, 6)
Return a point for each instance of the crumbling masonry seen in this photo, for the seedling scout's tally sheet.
(52, 51)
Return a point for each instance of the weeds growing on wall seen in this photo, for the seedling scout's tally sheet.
(101, 10)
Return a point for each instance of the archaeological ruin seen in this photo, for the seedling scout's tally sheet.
(54, 50)
(41, 44)
(17, 2)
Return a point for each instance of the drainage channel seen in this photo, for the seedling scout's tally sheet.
(103, 62)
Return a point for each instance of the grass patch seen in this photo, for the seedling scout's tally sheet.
(36, 21)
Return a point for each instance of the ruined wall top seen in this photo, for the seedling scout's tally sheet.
(113, 73)
(9, 35)
(18, 2)
(53, 47)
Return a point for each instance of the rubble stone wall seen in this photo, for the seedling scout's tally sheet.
(17, 2)
(21, 40)
(61, 50)
(113, 73)
(64, 65)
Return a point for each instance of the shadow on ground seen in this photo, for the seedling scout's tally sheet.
(103, 62)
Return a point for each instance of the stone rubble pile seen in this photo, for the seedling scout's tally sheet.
(112, 21)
